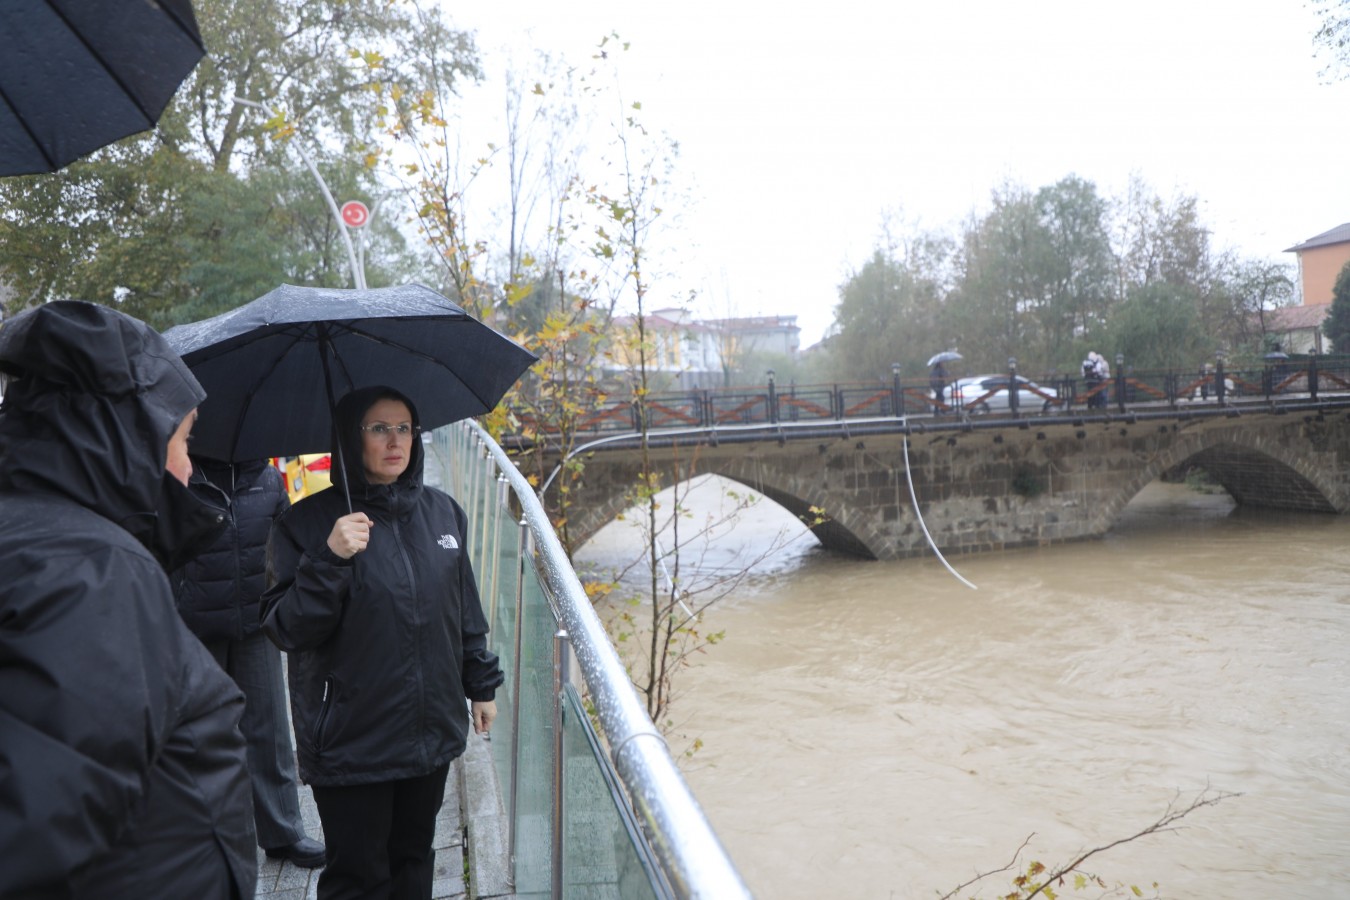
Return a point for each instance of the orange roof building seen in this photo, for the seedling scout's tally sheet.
(1320, 260)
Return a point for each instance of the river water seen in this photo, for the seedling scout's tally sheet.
(880, 730)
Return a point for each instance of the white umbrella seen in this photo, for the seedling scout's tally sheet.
(945, 356)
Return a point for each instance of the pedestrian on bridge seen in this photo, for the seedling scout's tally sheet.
(937, 381)
(379, 610)
(1096, 372)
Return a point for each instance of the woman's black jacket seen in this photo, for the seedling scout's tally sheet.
(384, 647)
(219, 593)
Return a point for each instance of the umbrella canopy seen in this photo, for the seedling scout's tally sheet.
(273, 368)
(945, 356)
(1277, 354)
(77, 75)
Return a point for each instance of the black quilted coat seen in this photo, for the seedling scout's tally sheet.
(219, 592)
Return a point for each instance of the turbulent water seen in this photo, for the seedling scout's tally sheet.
(879, 730)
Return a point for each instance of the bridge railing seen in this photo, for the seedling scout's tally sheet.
(1127, 388)
(593, 801)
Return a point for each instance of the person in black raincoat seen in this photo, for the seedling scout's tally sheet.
(122, 769)
(219, 595)
(380, 613)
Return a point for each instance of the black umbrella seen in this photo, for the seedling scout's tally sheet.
(76, 75)
(274, 368)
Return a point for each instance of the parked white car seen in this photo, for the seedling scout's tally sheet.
(989, 393)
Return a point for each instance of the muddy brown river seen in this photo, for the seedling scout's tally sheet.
(880, 730)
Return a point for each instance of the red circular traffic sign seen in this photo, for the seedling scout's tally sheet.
(354, 213)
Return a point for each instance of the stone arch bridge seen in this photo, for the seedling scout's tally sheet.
(988, 485)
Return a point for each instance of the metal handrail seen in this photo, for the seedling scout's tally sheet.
(689, 853)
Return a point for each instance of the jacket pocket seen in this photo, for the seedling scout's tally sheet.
(322, 718)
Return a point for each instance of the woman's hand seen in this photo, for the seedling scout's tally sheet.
(484, 711)
(350, 535)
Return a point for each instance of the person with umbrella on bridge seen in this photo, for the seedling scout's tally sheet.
(379, 610)
(937, 376)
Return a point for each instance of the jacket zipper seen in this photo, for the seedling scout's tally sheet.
(324, 707)
(415, 604)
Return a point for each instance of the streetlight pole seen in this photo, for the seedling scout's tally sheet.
(358, 276)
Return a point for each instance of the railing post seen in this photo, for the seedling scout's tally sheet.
(485, 492)
(526, 551)
(1219, 386)
(494, 573)
(561, 663)
(773, 400)
(1120, 382)
(897, 396)
(1014, 394)
(1312, 374)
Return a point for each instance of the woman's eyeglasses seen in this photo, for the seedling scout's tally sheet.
(381, 430)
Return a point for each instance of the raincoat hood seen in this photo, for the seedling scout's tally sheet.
(347, 434)
(92, 398)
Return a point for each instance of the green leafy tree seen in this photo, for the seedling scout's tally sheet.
(1252, 290)
(1158, 327)
(1337, 324)
(1046, 275)
(210, 209)
(1076, 266)
(995, 308)
(889, 310)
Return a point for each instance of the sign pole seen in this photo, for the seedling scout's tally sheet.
(358, 276)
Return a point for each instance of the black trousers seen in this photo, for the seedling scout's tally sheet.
(379, 838)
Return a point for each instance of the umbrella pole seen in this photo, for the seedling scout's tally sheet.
(326, 347)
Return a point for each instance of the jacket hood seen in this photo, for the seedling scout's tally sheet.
(92, 399)
(351, 409)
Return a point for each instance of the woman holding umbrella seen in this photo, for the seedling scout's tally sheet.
(380, 612)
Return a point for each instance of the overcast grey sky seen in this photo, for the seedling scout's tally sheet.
(798, 129)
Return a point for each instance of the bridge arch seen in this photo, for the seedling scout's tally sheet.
(840, 532)
(1255, 467)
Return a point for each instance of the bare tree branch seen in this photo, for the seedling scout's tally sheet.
(1165, 823)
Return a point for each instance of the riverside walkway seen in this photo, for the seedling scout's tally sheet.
(470, 824)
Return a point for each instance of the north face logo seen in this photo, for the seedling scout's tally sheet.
(448, 542)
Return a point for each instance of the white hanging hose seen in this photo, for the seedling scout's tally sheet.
(909, 479)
